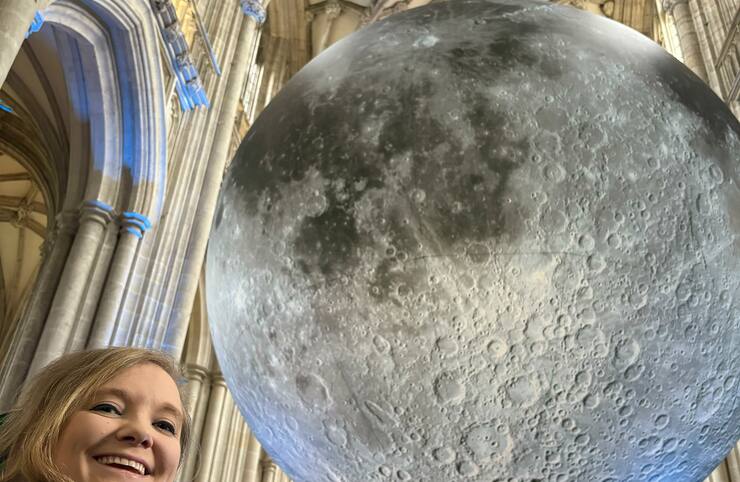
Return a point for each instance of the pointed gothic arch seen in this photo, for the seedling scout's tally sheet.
(109, 49)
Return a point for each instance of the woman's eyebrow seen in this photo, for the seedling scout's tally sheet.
(116, 392)
(122, 394)
(176, 412)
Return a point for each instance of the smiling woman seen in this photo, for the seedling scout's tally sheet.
(99, 415)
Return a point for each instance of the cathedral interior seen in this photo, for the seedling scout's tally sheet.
(118, 119)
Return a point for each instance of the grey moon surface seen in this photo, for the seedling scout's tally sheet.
(485, 240)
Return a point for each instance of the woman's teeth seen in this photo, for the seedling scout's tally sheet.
(107, 460)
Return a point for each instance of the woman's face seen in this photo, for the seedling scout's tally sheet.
(129, 431)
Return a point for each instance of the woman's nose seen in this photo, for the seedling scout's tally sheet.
(136, 433)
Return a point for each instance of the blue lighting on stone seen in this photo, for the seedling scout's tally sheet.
(99, 204)
(36, 23)
(254, 9)
(135, 232)
(188, 85)
(139, 223)
(191, 95)
(5, 107)
(139, 218)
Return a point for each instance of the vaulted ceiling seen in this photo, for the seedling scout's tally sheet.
(22, 233)
(34, 151)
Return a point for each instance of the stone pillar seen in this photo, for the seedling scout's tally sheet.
(193, 261)
(210, 435)
(269, 471)
(729, 469)
(252, 460)
(25, 338)
(240, 450)
(233, 439)
(687, 36)
(717, 30)
(197, 394)
(332, 10)
(719, 474)
(16, 17)
(255, 9)
(733, 463)
(94, 290)
(133, 227)
(64, 313)
(309, 17)
(224, 441)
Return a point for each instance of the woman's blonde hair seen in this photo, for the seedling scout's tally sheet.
(30, 431)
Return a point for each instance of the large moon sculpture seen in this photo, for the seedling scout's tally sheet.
(485, 240)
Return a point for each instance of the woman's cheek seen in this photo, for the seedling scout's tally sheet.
(169, 453)
(103, 427)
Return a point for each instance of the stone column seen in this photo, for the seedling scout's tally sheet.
(269, 471)
(93, 291)
(16, 17)
(687, 36)
(733, 463)
(332, 10)
(197, 394)
(309, 17)
(717, 30)
(241, 450)
(224, 441)
(63, 315)
(193, 261)
(729, 469)
(210, 435)
(25, 338)
(252, 460)
(233, 439)
(719, 474)
(133, 227)
(255, 9)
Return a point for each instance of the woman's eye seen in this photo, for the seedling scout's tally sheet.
(107, 408)
(166, 426)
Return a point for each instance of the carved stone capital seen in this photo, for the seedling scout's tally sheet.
(47, 245)
(608, 8)
(217, 379)
(254, 9)
(309, 16)
(365, 18)
(597, 7)
(21, 213)
(65, 223)
(195, 372)
(332, 9)
(670, 5)
(96, 211)
(401, 6)
(134, 223)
